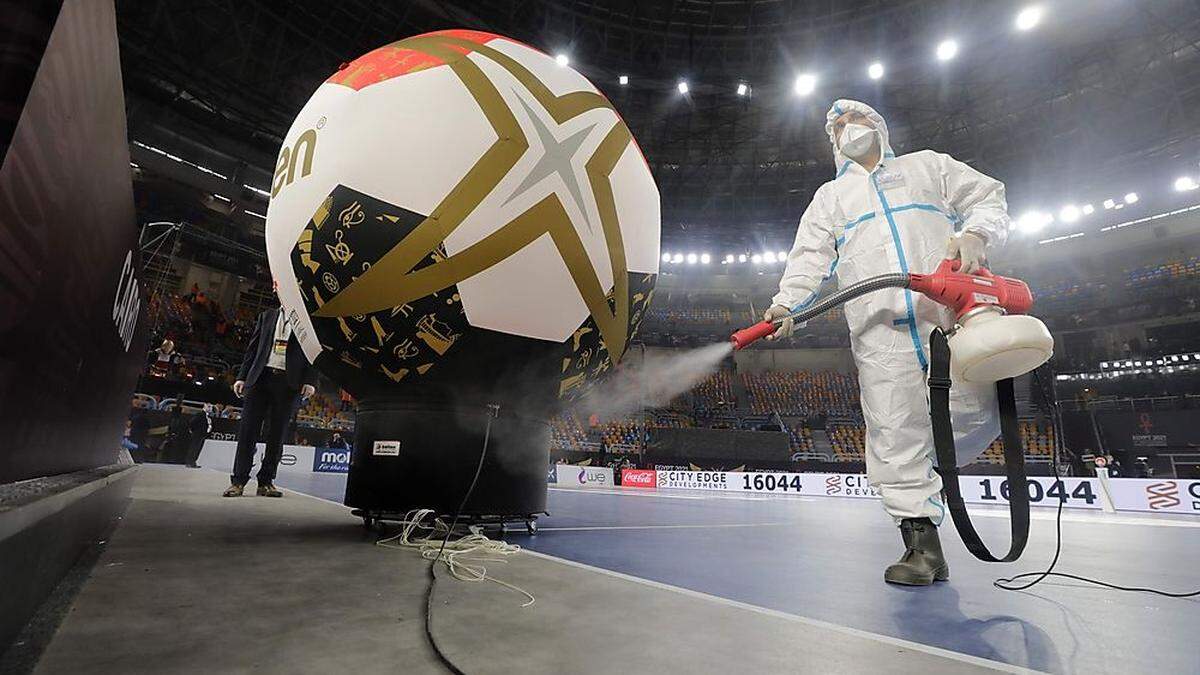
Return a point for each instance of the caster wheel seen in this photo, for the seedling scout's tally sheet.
(368, 522)
(531, 527)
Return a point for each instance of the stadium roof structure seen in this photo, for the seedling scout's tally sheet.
(1097, 99)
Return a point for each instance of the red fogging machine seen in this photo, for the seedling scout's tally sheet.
(993, 337)
(992, 340)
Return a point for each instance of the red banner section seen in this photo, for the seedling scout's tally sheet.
(641, 478)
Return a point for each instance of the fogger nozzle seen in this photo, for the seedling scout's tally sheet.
(754, 333)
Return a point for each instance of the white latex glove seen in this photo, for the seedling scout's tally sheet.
(785, 328)
(307, 391)
(970, 248)
(239, 388)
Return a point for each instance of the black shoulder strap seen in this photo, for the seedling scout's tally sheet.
(943, 443)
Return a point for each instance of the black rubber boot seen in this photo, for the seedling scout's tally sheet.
(922, 562)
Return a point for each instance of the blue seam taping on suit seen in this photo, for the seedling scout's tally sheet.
(842, 170)
(813, 296)
(906, 207)
(912, 326)
(941, 508)
(852, 224)
(838, 109)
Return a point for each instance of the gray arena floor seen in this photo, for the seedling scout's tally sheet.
(822, 559)
(194, 583)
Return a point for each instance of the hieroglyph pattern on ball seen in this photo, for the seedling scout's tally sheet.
(393, 342)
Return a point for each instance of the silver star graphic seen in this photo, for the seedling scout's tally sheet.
(555, 159)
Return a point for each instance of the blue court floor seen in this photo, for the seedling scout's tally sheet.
(824, 559)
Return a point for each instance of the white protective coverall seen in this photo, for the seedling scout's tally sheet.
(897, 218)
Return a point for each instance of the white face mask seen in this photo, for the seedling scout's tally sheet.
(857, 141)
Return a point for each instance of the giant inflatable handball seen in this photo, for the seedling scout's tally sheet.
(455, 212)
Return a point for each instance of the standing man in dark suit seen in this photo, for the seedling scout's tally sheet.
(274, 377)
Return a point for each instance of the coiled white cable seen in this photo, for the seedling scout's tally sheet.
(464, 557)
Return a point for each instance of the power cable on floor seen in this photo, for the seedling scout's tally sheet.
(464, 557)
(1011, 583)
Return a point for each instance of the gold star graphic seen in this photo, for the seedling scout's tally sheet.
(391, 281)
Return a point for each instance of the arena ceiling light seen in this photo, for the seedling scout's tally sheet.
(729, 258)
(756, 259)
(742, 258)
(1185, 184)
(623, 80)
(946, 50)
(1069, 213)
(258, 191)
(1088, 209)
(1034, 221)
(1108, 204)
(666, 257)
(769, 257)
(682, 86)
(692, 258)
(781, 255)
(677, 258)
(875, 70)
(806, 83)
(1131, 198)
(562, 60)
(705, 258)
(1029, 17)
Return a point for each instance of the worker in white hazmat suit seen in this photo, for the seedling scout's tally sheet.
(881, 214)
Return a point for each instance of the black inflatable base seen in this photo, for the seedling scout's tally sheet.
(408, 455)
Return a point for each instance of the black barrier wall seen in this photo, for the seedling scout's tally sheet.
(71, 338)
(724, 447)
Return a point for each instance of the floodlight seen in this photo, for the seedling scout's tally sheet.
(946, 50)
(1029, 17)
(806, 83)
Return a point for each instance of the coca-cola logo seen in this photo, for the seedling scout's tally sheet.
(639, 478)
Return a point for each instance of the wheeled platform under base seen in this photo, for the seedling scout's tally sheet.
(373, 519)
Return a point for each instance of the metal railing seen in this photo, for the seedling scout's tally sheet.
(1134, 404)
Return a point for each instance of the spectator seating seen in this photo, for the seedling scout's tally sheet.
(1038, 438)
(849, 441)
(802, 393)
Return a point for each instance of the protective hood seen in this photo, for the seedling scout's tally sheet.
(843, 106)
